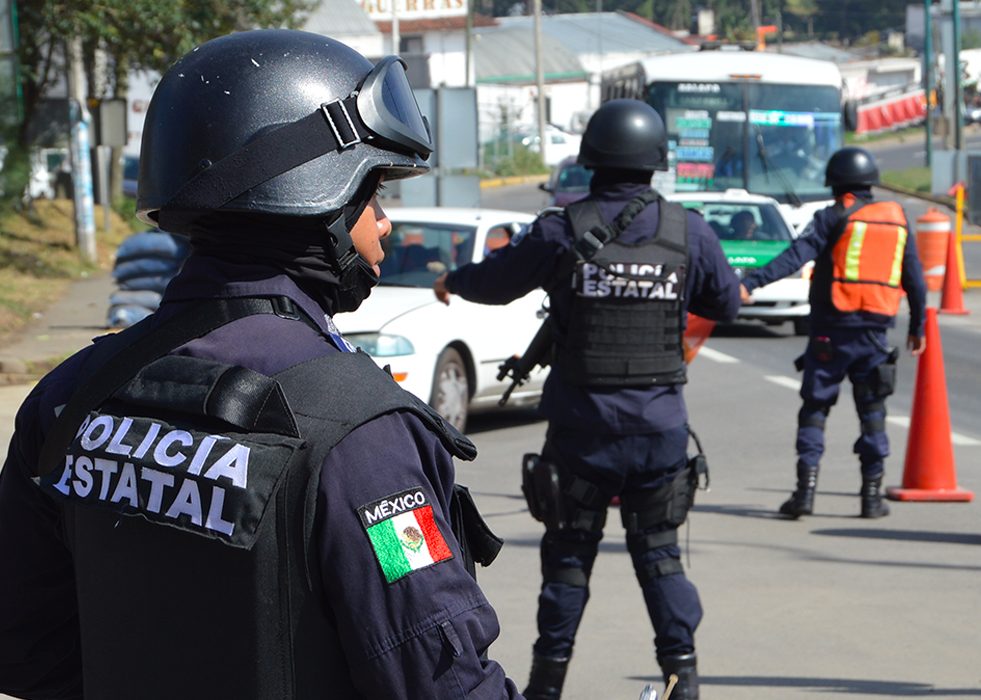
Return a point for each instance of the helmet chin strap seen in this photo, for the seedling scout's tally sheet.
(356, 277)
(345, 254)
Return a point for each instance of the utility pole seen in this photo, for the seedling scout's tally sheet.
(469, 45)
(396, 38)
(540, 78)
(754, 15)
(78, 118)
(956, 70)
(928, 78)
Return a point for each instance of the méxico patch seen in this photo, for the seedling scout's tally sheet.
(403, 533)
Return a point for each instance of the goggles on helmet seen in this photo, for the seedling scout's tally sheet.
(388, 107)
(382, 112)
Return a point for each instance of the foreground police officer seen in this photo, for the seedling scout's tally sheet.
(622, 268)
(231, 504)
(864, 260)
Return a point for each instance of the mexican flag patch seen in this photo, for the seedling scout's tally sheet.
(403, 533)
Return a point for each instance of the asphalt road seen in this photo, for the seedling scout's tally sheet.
(911, 151)
(828, 605)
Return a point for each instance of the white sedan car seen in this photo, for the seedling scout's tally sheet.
(446, 355)
(753, 230)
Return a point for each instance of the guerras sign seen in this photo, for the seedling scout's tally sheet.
(381, 10)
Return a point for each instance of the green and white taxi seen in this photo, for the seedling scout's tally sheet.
(753, 230)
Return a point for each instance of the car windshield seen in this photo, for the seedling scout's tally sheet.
(743, 221)
(417, 253)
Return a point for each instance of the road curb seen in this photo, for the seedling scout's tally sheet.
(512, 180)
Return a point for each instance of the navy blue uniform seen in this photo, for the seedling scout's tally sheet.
(395, 635)
(620, 439)
(856, 342)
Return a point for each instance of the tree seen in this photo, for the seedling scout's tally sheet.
(804, 11)
(131, 34)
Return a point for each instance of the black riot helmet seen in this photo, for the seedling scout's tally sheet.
(276, 123)
(851, 167)
(627, 135)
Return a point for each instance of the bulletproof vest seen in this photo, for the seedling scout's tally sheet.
(867, 257)
(625, 325)
(189, 497)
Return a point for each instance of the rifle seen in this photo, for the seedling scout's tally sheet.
(519, 367)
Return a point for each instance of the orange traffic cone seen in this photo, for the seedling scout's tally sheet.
(697, 332)
(929, 471)
(952, 297)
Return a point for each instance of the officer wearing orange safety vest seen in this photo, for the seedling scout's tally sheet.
(864, 259)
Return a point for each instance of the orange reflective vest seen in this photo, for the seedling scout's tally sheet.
(867, 259)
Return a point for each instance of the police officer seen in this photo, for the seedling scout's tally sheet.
(226, 500)
(619, 297)
(864, 258)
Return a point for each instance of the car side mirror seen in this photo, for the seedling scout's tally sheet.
(544, 187)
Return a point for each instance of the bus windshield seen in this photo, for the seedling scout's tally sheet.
(767, 138)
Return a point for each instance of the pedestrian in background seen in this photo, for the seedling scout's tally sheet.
(622, 269)
(224, 500)
(864, 259)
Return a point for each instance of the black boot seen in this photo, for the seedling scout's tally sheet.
(684, 667)
(872, 504)
(547, 677)
(801, 501)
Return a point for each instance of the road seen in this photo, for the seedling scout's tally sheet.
(829, 604)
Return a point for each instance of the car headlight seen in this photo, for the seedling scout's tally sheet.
(381, 344)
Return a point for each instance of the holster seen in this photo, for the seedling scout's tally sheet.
(543, 491)
(885, 375)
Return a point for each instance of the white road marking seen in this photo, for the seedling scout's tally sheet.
(717, 356)
(955, 438)
(902, 421)
(781, 380)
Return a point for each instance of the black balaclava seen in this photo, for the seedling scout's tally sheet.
(609, 177)
(304, 249)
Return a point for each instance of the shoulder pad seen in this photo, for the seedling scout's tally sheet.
(549, 211)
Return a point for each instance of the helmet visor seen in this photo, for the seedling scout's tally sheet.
(388, 108)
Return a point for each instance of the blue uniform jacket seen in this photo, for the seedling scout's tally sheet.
(816, 243)
(711, 290)
(392, 632)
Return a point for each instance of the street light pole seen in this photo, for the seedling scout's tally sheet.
(928, 77)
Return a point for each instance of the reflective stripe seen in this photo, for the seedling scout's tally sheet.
(897, 258)
(853, 257)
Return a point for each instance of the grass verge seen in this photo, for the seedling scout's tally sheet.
(39, 259)
(916, 179)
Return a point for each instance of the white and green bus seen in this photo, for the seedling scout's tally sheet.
(759, 121)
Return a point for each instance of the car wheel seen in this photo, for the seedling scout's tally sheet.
(802, 326)
(451, 389)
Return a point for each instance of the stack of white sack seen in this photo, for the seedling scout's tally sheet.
(145, 264)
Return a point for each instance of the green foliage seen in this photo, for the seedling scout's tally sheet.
(520, 161)
(971, 39)
(917, 179)
(13, 177)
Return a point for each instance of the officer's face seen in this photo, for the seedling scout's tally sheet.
(371, 227)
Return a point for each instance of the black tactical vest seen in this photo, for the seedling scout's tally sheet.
(625, 325)
(189, 499)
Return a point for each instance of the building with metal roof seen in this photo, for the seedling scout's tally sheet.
(347, 21)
